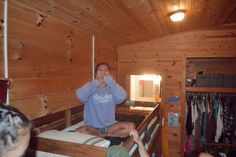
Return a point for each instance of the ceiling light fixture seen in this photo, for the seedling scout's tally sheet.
(177, 15)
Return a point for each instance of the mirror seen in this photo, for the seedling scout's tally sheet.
(145, 88)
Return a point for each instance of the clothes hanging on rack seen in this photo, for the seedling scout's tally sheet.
(209, 117)
(229, 120)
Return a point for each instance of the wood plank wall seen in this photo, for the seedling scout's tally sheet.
(48, 60)
(106, 52)
(166, 56)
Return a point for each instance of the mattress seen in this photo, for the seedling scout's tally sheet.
(68, 136)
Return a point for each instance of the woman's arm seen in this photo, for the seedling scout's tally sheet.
(142, 150)
(87, 90)
(117, 90)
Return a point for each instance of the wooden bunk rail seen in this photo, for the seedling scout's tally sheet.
(57, 121)
(74, 149)
(143, 127)
(75, 118)
(54, 125)
(66, 148)
(68, 116)
(156, 122)
(148, 133)
(221, 145)
(155, 140)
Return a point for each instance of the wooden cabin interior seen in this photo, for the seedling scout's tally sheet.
(49, 48)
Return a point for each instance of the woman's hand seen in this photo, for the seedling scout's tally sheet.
(100, 78)
(141, 148)
(102, 75)
(135, 135)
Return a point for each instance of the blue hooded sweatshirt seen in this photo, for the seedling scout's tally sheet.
(100, 102)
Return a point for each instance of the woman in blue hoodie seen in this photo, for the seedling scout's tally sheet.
(100, 98)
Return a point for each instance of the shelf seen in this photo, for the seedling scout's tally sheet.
(211, 89)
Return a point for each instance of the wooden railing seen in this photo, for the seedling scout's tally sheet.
(143, 128)
(82, 150)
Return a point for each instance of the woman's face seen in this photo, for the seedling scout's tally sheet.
(19, 150)
(102, 71)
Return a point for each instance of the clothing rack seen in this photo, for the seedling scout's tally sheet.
(217, 101)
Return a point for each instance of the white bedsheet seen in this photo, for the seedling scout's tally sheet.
(74, 137)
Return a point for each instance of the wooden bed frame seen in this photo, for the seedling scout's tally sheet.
(82, 150)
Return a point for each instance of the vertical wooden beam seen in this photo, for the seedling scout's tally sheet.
(182, 123)
(68, 117)
(127, 86)
(164, 140)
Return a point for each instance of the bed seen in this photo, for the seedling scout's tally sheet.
(148, 121)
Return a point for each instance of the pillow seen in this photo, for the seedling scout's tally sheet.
(75, 137)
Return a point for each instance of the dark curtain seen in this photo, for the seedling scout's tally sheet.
(3, 90)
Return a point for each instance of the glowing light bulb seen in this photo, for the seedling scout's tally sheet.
(177, 16)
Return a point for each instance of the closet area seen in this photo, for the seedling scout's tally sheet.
(210, 114)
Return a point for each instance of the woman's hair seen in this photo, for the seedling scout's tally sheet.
(99, 64)
(13, 124)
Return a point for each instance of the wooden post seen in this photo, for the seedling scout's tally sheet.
(68, 117)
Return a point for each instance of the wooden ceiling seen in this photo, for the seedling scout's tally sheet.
(127, 21)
